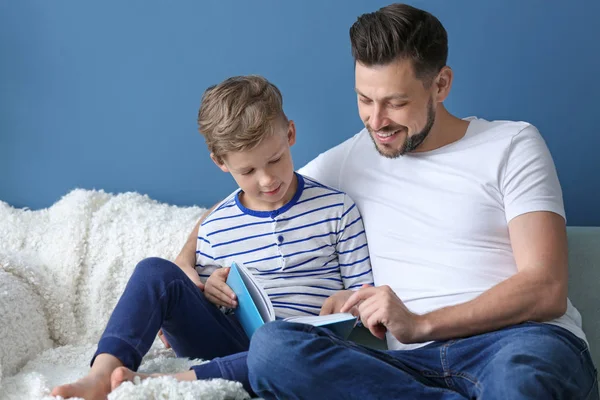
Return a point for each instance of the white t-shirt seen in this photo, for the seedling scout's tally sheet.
(437, 221)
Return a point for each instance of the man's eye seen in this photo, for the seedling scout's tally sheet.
(393, 105)
(364, 100)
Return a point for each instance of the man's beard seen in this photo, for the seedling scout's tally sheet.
(411, 143)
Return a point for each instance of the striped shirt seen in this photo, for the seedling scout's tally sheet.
(301, 253)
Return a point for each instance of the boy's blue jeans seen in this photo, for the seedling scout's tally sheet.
(159, 294)
(527, 361)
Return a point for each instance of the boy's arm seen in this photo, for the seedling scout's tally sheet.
(353, 258)
(352, 249)
(187, 255)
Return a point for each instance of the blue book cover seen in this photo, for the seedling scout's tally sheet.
(255, 308)
(247, 312)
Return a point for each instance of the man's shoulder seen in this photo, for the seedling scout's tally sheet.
(500, 128)
(316, 187)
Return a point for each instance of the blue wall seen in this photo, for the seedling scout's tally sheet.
(104, 94)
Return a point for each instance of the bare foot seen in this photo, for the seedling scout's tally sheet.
(90, 387)
(124, 374)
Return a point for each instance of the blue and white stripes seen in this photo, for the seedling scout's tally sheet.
(302, 253)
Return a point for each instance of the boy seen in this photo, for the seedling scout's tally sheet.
(303, 242)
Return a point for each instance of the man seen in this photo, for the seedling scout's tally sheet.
(468, 245)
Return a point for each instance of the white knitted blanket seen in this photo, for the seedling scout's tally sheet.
(62, 271)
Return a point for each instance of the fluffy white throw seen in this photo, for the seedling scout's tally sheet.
(62, 270)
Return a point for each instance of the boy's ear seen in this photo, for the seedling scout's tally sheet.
(291, 133)
(219, 162)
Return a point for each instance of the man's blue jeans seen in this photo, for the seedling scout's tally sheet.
(526, 361)
(159, 294)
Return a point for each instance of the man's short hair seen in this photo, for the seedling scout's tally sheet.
(238, 113)
(401, 32)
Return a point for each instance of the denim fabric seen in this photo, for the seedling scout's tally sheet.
(526, 361)
(159, 294)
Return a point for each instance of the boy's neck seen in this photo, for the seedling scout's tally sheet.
(255, 205)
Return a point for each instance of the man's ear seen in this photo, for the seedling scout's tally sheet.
(443, 83)
(291, 133)
(219, 162)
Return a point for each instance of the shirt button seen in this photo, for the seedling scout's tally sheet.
(280, 239)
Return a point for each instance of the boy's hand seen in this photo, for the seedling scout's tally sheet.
(334, 303)
(217, 291)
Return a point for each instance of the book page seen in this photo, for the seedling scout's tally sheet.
(340, 324)
(318, 320)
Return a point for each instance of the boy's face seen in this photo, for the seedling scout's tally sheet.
(266, 173)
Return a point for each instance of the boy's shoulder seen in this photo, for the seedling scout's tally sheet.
(226, 208)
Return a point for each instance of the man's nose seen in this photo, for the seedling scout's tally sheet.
(377, 119)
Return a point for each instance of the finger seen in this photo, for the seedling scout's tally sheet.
(224, 298)
(222, 273)
(327, 308)
(357, 297)
(201, 286)
(354, 311)
(363, 309)
(369, 306)
(225, 289)
(375, 325)
(216, 300)
(219, 297)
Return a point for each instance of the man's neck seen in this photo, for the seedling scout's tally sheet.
(445, 130)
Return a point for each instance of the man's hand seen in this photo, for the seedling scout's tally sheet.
(217, 291)
(334, 303)
(381, 310)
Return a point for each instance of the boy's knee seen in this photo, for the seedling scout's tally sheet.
(156, 267)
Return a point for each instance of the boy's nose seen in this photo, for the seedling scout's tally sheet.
(267, 182)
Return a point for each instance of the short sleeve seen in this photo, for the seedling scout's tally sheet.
(352, 249)
(205, 262)
(530, 182)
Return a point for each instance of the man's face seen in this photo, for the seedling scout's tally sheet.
(395, 106)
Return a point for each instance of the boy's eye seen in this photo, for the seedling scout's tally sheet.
(248, 172)
(275, 161)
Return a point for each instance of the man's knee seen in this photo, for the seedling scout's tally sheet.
(272, 345)
(539, 362)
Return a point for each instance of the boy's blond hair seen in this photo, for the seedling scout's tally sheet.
(238, 113)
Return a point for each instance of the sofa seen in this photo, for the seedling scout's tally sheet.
(63, 268)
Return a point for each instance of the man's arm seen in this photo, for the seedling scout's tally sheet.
(537, 292)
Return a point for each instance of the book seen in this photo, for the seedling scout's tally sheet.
(255, 308)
